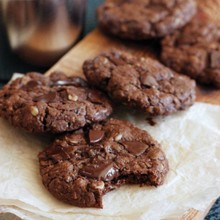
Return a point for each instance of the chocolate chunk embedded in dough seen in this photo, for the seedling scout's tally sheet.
(195, 51)
(79, 171)
(143, 19)
(55, 104)
(141, 83)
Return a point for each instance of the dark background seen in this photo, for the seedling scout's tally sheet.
(10, 63)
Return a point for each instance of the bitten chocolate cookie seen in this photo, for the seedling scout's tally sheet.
(52, 104)
(195, 51)
(81, 167)
(142, 19)
(141, 83)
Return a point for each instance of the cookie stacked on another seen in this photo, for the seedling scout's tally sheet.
(54, 104)
(98, 155)
(144, 19)
(195, 51)
(140, 83)
(191, 41)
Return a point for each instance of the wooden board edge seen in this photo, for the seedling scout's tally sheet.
(93, 44)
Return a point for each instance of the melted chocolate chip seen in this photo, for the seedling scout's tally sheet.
(134, 147)
(49, 97)
(148, 80)
(31, 84)
(95, 97)
(151, 121)
(155, 154)
(117, 61)
(58, 153)
(105, 172)
(76, 81)
(215, 59)
(95, 136)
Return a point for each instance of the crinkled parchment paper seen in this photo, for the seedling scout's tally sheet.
(190, 139)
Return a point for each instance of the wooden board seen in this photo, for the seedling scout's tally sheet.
(96, 42)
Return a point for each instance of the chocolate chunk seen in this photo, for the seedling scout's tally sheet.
(195, 51)
(117, 61)
(215, 59)
(95, 136)
(32, 103)
(151, 121)
(95, 97)
(144, 84)
(143, 19)
(134, 147)
(148, 80)
(76, 81)
(88, 171)
(104, 171)
(58, 154)
(49, 97)
(32, 83)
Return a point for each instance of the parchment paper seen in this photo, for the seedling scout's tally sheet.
(190, 139)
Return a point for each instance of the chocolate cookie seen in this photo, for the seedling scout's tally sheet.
(142, 83)
(142, 19)
(195, 51)
(52, 104)
(81, 167)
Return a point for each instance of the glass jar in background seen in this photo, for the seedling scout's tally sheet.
(41, 31)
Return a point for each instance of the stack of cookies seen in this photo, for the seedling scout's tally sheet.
(190, 41)
(93, 154)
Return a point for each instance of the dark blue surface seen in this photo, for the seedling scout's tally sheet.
(10, 63)
(214, 213)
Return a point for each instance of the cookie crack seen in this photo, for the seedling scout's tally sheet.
(44, 122)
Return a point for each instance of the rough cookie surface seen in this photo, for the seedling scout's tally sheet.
(142, 83)
(79, 168)
(195, 51)
(142, 19)
(52, 104)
